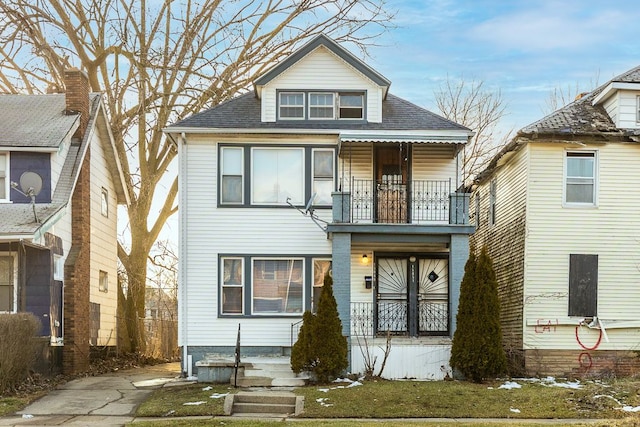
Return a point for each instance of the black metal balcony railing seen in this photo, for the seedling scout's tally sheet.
(390, 202)
(393, 317)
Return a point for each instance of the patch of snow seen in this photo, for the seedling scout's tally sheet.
(27, 416)
(324, 390)
(598, 396)
(342, 380)
(354, 384)
(510, 385)
(191, 378)
(207, 388)
(628, 408)
(218, 395)
(514, 410)
(323, 401)
(201, 402)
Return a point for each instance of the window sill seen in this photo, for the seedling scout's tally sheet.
(580, 205)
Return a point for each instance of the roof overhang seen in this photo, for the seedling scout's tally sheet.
(30, 149)
(612, 88)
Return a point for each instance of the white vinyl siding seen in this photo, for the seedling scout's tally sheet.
(303, 75)
(210, 231)
(553, 233)
(624, 109)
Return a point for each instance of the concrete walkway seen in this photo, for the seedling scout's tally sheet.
(106, 400)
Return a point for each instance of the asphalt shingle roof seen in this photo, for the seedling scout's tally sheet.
(18, 218)
(581, 116)
(243, 112)
(34, 120)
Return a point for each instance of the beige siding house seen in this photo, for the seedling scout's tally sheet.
(556, 210)
(321, 169)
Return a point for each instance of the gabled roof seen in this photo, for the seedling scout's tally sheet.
(243, 114)
(323, 40)
(35, 121)
(18, 218)
(579, 119)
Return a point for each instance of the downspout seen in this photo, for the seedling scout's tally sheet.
(182, 214)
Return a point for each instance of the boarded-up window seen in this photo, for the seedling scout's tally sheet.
(583, 285)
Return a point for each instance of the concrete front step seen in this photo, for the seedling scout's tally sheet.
(269, 372)
(265, 403)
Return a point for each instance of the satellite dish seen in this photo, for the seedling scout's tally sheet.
(310, 203)
(30, 184)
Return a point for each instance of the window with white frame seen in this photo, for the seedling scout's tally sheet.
(277, 176)
(58, 268)
(104, 281)
(321, 267)
(232, 285)
(232, 168)
(291, 105)
(4, 176)
(638, 108)
(580, 178)
(492, 201)
(104, 202)
(8, 284)
(351, 106)
(277, 286)
(321, 106)
(322, 176)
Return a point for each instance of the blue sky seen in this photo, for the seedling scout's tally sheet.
(523, 48)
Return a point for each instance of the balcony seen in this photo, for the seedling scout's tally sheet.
(387, 202)
(394, 317)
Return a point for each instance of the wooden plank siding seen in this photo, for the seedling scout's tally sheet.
(609, 230)
(304, 75)
(505, 240)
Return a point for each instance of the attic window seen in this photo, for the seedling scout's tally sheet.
(351, 106)
(321, 106)
(291, 105)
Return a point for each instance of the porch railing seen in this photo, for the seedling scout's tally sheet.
(391, 202)
(371, 319)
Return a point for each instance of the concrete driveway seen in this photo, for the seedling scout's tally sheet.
(106, 400)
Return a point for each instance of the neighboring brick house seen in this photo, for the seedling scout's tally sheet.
(60, 185)
(376, 178)
(557, 209)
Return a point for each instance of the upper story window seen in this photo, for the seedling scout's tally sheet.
(351, 106)
(638, 108)
(580, 178)
(4, 176)
(321, 105)
(231, 173)
(291, 105)
(104, 202)
(276, 175)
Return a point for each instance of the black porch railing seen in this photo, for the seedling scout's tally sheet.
(376, 319)
(400, 203)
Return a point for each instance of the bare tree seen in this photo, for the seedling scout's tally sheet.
(560, 96)
(470, 104)
(158, 62)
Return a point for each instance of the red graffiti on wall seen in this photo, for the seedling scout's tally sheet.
(545, 326)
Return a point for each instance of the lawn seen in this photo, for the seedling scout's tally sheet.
(431, 399)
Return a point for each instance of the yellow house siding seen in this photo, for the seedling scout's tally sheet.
(609, 230)
(505, 240)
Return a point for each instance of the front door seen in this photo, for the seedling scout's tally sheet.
(412, 295)
(391, 183)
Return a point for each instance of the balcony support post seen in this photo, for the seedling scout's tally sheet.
(341, 206)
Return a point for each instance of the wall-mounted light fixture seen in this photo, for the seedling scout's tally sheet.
(365, 260)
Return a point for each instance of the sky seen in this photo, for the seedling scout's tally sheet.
(524, 49)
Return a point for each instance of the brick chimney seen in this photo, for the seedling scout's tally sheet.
(77, 97)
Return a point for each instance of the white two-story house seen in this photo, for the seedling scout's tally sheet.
(320, 168)
(557, 210)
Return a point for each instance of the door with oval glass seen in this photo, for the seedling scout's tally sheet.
(412, 295)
